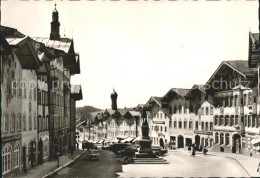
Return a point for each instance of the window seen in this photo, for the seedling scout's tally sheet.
(226, 120)
(216, 137)
(18, 121)
(221, 138)
(236, 119)
(245, 99)
(19, 90)
(231, 120)
(30, 92)
(39, 97)
(207, 126)
(185, 124)
(161, 128)
(245, 122)
(211, 126)
(13, 122)
(253, 120)
(216, 120)
(170, 124)
(6, 159)
(180, 124)
(190, 125)
(30, 122)
(221, 120)
(202, 125)
(249, 121)
(202, 111)
(24, 122)
(165, 129)
(17, 156)
(5, 123)
(160, 115)
(207, 111)
(175, 124)
(211, 110)
(227, 139)
(197, 125)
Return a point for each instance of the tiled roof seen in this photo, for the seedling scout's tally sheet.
(63, 44)
(134, 113)
(157, 99)
(181, 91)
(9, 32)
(124, 111)
(240, 65)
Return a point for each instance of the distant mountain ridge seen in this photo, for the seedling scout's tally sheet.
(84, 113)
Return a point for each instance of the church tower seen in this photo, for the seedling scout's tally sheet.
(114, 98)
(55, 25)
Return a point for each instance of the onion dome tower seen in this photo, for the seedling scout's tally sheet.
(114, 98)
(55, 25)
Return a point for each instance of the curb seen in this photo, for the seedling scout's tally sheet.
(65, 165)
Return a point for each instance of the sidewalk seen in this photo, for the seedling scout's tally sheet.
(51, 166)
(250, 164)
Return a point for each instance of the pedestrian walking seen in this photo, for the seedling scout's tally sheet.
(205, 151)
(258, 169)
(193, 150)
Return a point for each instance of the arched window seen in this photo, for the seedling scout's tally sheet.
(227, 138)
(206, 142)
(35, 122)
(216, 120)
(232, 120)
(24, 122)
(180, 109)
(216, 137)
(175, 109)
(221, 138)
(6, 159)
(16, 156)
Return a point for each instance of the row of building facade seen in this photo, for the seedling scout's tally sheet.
(38, 101)
(223, 114)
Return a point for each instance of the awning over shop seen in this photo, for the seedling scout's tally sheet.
(254, 141)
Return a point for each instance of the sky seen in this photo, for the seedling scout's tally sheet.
(141, 48)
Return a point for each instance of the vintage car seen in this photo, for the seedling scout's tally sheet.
(93, 154)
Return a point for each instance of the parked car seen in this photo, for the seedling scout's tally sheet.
(87, 145)
(158, 150)
(93, 154)
(118, 146)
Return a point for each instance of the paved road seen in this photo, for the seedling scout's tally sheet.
(183, 165)
(107, 166)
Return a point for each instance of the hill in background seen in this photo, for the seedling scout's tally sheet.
(83, 113)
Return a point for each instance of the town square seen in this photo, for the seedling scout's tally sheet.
(130, 89)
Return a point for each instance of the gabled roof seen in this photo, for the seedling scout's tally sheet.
(179, 91)
(240, 66)
(124, 111)
(110, 111)
(155, 99)
(196, 87)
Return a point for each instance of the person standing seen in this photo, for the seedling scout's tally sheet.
(193, 151)
(189, 147)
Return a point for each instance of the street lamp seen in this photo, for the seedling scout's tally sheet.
(58, 163)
